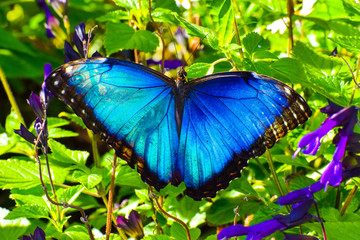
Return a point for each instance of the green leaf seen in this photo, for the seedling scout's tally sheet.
(12, 122)
(31, 196)
(54, 122)
(200, 32)
(352, 9)
(89, 180)
(350, 43)
(328, 9)
(165, 4)
(223, 18)
(222, 210)
(290, 69)
(20, 174)
(342, 28)
(120, 36)
(338, 227)
(158, 237)
(301, 162)
(75, 232)
(129, 177)
(8, 41)
(128, 4)
(334, 89)
(320, 65)
(29, 211)
(242, 185)
(179, 233)
(253, 42)
(74, 118)
(62, 154)
(164, 16)
(61, 133)
(197, 70)
(12, 229)
(114, 16)
(70, 194)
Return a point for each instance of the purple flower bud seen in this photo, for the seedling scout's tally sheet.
(45, 94)
(36, 104)
(24, 133)
(70, 53)
(51, 26)
(39, 234)
(96, 54)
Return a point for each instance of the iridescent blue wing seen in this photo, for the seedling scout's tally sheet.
(129, 105)
(229, 118)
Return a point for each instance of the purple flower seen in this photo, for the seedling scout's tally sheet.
(131, 226)
(39, 234)
(52, 24)
(168, 64)
(36, 104)
(39, 105)
(60, 7)
(45, 94)
(82, 43)
(296, 217)
(346, 118)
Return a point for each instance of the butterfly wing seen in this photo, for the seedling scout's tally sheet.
(131, 106)
(229, 118)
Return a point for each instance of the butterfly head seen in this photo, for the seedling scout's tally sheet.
(181, 76)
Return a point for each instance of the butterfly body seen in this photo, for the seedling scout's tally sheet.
(201, 132)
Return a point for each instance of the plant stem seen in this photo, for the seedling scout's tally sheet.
(152, 195)
(111, 197)
(348, 200)
(275, 177)
(290, 9)
(65, 205)
(10, 96)
(161, 38)
(237, 35)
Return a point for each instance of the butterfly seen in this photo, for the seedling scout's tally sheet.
(201, 132)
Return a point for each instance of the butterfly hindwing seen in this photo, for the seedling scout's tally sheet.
(129, 105)
(229, 118)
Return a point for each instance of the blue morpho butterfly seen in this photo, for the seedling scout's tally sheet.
(202, 132)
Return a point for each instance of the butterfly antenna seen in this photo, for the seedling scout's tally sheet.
(176, 52)
(197, 46)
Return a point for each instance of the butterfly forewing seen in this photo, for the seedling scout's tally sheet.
(129, 106)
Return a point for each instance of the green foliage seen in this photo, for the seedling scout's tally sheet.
(257, 41)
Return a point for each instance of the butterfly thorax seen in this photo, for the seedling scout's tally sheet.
(180, 92)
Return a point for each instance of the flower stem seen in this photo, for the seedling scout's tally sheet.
(152, 195)
(160, 36)
(348, 200)
(237, 35)
(111, 197)
(290, 9)
(84, 218)
(11, 97)
(275, 177)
